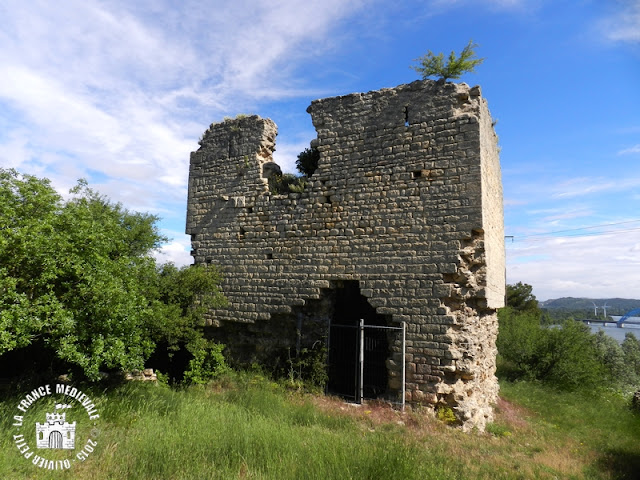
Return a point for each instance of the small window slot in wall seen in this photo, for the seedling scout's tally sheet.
(249, 209)
(406, 116)
(269, 256)
(428, 174)
(242, 232)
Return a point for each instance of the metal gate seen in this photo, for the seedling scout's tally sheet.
(357, 360)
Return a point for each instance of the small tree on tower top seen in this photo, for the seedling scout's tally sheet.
(431, 65)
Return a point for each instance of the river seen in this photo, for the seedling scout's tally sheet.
(618, 333)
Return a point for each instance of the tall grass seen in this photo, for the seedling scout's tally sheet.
(599, 422)
(251, 428)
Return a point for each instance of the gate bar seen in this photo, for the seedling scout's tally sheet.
(361, 363)
(404, 348)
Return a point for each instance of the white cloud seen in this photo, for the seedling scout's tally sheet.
(498, 4)
(630, 150)
(624, 24)
(114, 89)
(286, 155)
(556, 267)
(14, 150)
(581, 186)
(562, 215)
(177, 251)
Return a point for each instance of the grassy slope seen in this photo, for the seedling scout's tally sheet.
(252, 428)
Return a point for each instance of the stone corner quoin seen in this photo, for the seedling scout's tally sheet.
(401, 222)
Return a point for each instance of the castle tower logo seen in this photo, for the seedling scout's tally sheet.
(66, 426)
(56, 432)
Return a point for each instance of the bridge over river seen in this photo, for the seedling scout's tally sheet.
(616, 328)
(626, 319)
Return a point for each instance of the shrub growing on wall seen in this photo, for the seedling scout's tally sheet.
(306, 164)
(432, 65)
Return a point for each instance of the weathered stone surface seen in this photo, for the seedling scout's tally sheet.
(406, 204)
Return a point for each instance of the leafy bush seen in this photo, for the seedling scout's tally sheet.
(207, 363)
(565, 356)
(618, 370)
(631, 348)
(79, 282)
(286, 183)
(309, 367)
(307, 163)
(445, 414)
(181, 298)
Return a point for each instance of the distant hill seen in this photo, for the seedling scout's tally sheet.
(615, 306)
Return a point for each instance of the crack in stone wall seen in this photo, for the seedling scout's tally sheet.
(406, 201)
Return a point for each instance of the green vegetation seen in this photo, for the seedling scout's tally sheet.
(566, 355)
(308, 369)
(287, 183)
(79, 288)
(246, 426)
(307, 161)
(560, 309)
(80, 291)
(615, 306)
(520, 297)
(306, 164)
(207, 362)
(431, 65)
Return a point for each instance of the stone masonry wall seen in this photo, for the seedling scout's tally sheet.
(406, 203)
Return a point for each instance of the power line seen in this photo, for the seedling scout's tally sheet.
(578, 229)
(593, 234)
(578, 235)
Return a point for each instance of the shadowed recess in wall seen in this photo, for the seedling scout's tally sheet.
(350, 307)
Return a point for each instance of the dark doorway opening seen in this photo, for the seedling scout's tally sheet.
(344, 342)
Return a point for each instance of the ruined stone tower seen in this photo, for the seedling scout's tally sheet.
(401, 222)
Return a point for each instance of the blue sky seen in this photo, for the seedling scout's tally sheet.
(119, 92)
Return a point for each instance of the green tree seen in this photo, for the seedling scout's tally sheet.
(518, 338)
(431, 65)
(307, 161)
(612, 356)
(631, 348)
(78, 278)
(565, 356)
(182, 296)
(520, 297)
